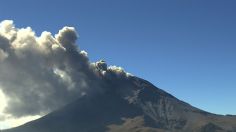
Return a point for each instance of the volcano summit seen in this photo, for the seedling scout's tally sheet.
(49, 74)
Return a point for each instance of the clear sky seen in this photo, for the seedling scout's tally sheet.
(186, 47)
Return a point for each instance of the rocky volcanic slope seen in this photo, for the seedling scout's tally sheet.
(131, 105)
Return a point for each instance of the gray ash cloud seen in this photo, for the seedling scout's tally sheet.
(39, 74)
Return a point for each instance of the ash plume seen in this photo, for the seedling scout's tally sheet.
(39, 74)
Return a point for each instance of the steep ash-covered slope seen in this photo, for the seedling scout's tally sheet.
(129, 105)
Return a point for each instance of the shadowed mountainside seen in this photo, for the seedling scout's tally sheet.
(129, 105)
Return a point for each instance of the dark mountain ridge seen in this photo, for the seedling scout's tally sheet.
(129, 105)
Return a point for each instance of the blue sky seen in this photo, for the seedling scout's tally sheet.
(186, 47)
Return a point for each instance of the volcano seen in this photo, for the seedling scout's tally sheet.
(129, 105)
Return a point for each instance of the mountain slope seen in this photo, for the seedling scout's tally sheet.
(129, 105)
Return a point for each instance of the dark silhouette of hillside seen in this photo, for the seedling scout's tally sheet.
(129, 105)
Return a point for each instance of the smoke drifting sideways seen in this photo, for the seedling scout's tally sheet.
(39, 74)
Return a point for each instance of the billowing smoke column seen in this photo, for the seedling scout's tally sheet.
(40, 74)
